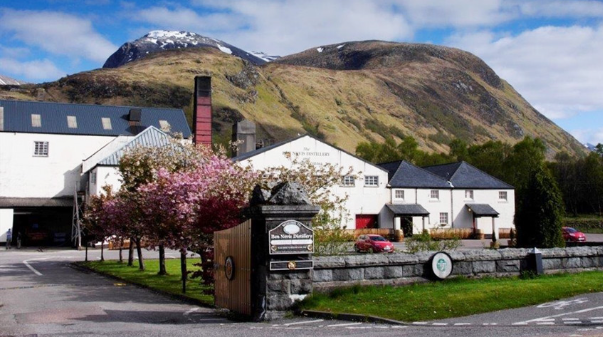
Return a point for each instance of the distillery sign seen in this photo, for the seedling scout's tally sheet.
(291, 237)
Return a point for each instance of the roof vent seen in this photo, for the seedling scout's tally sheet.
(135, 115)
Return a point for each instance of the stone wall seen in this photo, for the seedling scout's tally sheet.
(399, 268)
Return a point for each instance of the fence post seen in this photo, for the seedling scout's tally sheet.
(281, 270)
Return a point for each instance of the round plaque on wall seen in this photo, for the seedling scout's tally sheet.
(229, 268)
(441, 265)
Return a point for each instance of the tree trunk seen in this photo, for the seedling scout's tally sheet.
(86, 260)
(121, 247)
(103, 250)
(183, 268)
(139, 251)
(131, 253)
(162, 270)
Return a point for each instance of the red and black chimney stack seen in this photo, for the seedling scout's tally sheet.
(202, 111)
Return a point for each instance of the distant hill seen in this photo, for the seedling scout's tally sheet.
(345, 93)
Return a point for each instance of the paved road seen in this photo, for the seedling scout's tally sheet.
(43, 296)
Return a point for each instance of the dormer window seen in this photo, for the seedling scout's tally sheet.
(71, 122)
(106, 123)
(36, 120)
(165, 125)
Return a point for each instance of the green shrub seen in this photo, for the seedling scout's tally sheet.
(423, 243)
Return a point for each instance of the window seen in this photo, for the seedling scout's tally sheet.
(348, 181)
(93, 178)
(502, 195)
(107, 123)
(399, 194)
(165, 126)
(444, 218)
(371, 181)
(36, 120)
(435, 194)
(469, 194)
(71, 122)
(41, 149)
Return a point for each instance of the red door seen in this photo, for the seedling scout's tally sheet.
(366, 221)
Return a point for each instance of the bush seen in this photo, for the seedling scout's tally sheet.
(423, 243)
(539, 214)
(585, 225)
(332, 240)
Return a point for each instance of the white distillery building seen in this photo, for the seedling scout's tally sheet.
(400, 195)
(366, 195)
(42, 148)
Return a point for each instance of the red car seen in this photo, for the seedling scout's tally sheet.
(571, 234)
(373, 243)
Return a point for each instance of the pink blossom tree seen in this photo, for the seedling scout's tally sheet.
(189, 205)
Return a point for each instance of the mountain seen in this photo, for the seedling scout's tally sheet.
(346, 93)
(161, 40)
(5, 80)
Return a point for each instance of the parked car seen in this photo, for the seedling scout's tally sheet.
(373, 243)
(572, 234)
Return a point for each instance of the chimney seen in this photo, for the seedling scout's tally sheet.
(244, 133)
(202, 111)
(134, 117)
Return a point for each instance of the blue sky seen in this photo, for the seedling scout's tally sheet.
(550, 51)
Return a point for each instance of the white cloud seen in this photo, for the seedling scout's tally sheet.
(57, 33)
(458, 13)
(37, 70)
(284, 27)
(556, 8)
(14, 52)
(590, 135)
(557, 69)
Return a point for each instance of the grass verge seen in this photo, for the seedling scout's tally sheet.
(170, 284)
(454, 297)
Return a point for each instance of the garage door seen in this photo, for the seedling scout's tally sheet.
(366, 221)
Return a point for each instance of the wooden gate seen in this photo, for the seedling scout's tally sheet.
(232, 273)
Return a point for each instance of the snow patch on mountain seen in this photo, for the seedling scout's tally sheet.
(160, 40)
(5, 80)
(264, 56)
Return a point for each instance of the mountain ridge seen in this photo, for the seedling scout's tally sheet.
(361, 91)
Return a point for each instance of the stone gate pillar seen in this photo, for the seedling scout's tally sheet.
(281, 250)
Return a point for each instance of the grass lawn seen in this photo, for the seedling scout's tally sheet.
(170, 283)
(454, 297)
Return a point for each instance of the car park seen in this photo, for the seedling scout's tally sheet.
(373, 243)
(573, 235)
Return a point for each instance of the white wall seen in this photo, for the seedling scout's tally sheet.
(23, 175)
(6, 222)
(105, 175)
(362, 200)
(458, 215)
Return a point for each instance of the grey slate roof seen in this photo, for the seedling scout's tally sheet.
(464, 175)
(407, 175)
(408, 209)
(149, 137)
(480, 210)
(17, 118)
